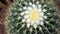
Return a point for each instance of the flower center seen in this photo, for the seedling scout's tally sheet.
(33, 15)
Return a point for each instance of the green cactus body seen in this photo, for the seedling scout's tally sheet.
(32, 17)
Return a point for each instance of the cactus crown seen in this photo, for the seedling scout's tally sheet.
(32, 17)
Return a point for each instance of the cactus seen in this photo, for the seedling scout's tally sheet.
(32, 17)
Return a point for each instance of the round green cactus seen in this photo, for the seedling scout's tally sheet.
(32, 17)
